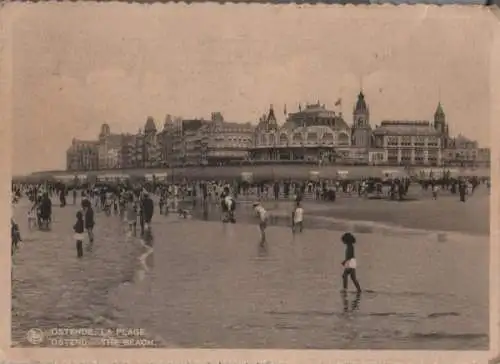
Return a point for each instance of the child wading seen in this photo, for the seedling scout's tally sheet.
(297, 218)
(350, 262)
(132, 215)
(89, 221)
(228, 206)
(435, 189)
(148, 235)
(79, 229)
(262, 214)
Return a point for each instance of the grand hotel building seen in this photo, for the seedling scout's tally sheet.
(319, 135)
(313, 134)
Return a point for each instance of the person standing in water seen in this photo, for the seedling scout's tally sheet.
(297, 218)
(79, 229)
(349, 262)
(147, 209)
(132, 215)
(262, 214)
(435, 189)
(89, 221)
(228, 206)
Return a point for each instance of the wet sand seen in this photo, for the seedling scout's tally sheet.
(215, 288)
(206, 284)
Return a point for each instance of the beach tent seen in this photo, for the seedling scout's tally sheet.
(65, 178)
(247, 176)
(451, 172)
(313, 175)
(393, 173)
(162, 176)
(474, 172)
(342, 174)
(437, 173)
(110, 177)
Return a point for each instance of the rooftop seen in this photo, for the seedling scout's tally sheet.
(406, 127)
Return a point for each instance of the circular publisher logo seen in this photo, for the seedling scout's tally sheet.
(35, 336)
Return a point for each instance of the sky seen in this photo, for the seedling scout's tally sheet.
(77, 66)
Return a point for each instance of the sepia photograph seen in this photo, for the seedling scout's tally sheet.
(250, 177)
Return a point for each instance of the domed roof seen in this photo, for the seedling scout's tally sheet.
(319, 129)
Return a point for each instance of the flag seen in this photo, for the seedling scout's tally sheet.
(338, 102)
(284, 110)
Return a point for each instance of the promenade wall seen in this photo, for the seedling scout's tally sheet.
(258, 171)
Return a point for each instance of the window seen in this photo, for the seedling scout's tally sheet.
(343, 139)
(297, 138)
(406, 155)
(432, 142)
(406, 141)
(419, 141)
(312, 137)
(392, 141)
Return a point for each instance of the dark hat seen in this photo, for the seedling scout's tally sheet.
(348, 238)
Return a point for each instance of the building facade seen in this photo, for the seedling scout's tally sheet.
(320, 135)
(192, 142)
(408, 143)
(314, 134)
(223, 142)
(462, 151)
(109, 148)
(82, 155)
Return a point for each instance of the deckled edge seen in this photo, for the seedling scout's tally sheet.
(63, 355)
(6, 16)
(495, 203)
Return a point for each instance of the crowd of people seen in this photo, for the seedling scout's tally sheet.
(134, 204)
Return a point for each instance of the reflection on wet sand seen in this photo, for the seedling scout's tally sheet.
(350, 305)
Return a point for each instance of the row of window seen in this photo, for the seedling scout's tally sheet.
(239, 139)
(298, 137)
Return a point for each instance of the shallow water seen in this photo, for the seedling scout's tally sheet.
(52, 288)
(209, 285)
(216, 289)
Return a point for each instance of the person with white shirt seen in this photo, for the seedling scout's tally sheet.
(297, 218)
(435, 189)
(262, 215)
(228, 206)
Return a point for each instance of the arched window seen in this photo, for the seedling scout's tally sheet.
(312, 137)
(327, 138)
(283, 139)
(343, 139)
(297, 138)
